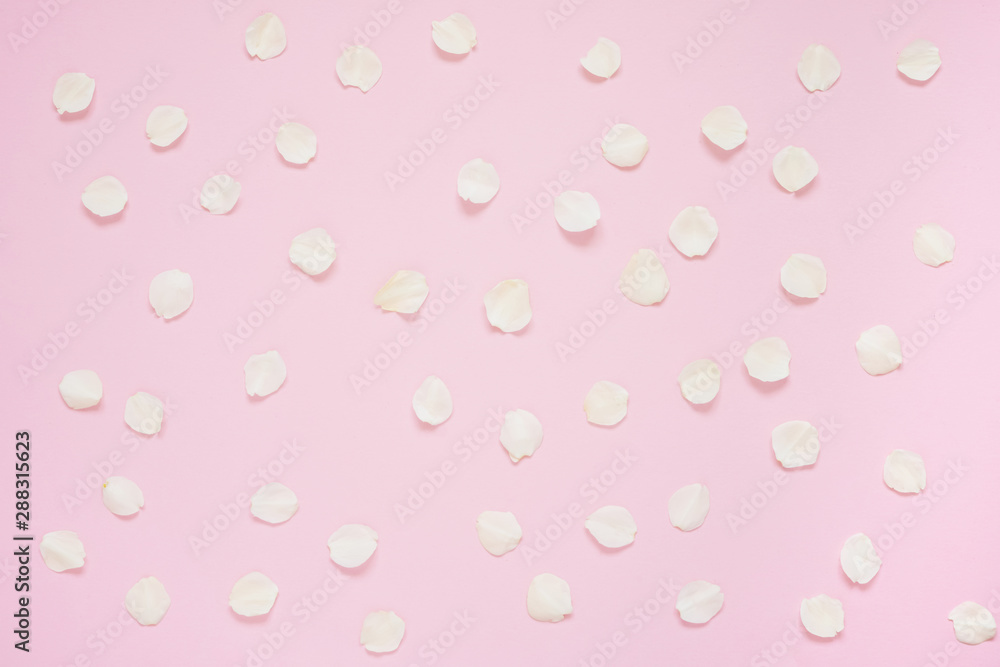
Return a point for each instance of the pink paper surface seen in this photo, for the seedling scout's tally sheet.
(525, 105)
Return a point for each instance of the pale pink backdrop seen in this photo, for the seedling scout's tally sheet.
(362, 452)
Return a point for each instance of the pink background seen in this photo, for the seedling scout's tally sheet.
(363, 452)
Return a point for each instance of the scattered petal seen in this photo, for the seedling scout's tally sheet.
(818, 68)
(147, 601)
(879, 351)
(700, 381)
(549, 599)
(688, 507)
(693, 231)
(122, 496)
(767, 360)
(624, 146)
(455, 34)
(313, 251)
(264, 373)
(933, 245)
(724, 126)
(478, 181)
(352, 544)
(606, 403)
(432, 401)
(919, 61)
(73, 92)
(795, 444)
(265, 37)
(62, 550)
(105, 196)
(521, 434)
(974, 623)
(171, 293)
(612, 526)
(219, 194)
(859, 559)
(382, 631)
(644, 280)
(274, 503)
(144, 413)
(794, 168)
(296, 143)
(603, 59)
(81, 389)
(508, 307)
(499, 532)
(165, 125)
(403, 293)
(699, 602)
(822, 615)
(576, 211)
(904, 471)
(804, 276)
(253, 594)
(358, 66)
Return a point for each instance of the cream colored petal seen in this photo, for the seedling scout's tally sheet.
(171, 293)
(767, 360)
(699, 602)
(724, 126)
(644, 280)
(693, 231)
(606, 403)
(576, 211)
(404, 292)
(219, 194)
(358, 66)
(624, 146)
(508, 306)
(549, 598)
(689, 506)
(432, 401)
(879, 351)
(455, 34)
(165, 125)
(313, 251)
(859, 559)
(296, 143)
(382, 632)
(499, 532)
(105, 196)
(73, 92)
(62, 550)
(265, 37)
(804, 276)
(904, 471)
(352, 544)
(274, 503)
(521, 434)
(478, 181)
(612, 526)
(700, 381)
(144, 413)
(122, 496)
(822, 615)
(603, 59)
(974, 623)
(818, 68)
(253, 594)
(919, 61)
(933, 245)
(264, 373)
(794, 168)
(81, 389)
(147, 601)
(795, 444)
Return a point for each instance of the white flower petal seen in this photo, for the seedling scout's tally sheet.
(804, 276)
(122, 496)
(455, 34)
(165, 125)
(352, 544)
(81, 389)
(508, 307)
(253, 594)
(724, 126)
(382, 631)
(432, 401)
(478, 181)
(859, 559)
(919, 61)
(144, 413)
(62, 550)
(296, 143)
(603, 59)
(879, 351)
(147, 601)
(933, 245)
(274, 503)
(606, 403)
(904, 471)
(264, 373)
(265, 37)
(171, 293)
(693, 231)
(822, 615)
(795, 444)
(612, 526)
(358, 66)
(767, 360)
(313, 251)
(219, 194)
(624, 146)
(688, 507)
(549, 598)
(699, 602)
(499, 532)
(576, 211)
(521, 434)
(404, 292)
(974, 623)
(700, 381)
(73, 92)
(644, 280)
(105, 196)
(794, 168)
(818, 68)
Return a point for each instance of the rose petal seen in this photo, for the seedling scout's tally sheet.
(724, 126)
(358, 66)
(603, 59)
(795, 444)
(612, 526)
(296, 143)
(919, 61)
(73, 92)
(521, 434)
(549, 598)
(171, 293)
(693, 231)
(688, 507)
(478, 181)
(62, 550)
(404, 292)
(499, 532)
(382, 631)
(455, 34)
(264, 373)
(576, 211)
(219, 194)
(822, 615)
(818, 68)
(144, 413)
(974, 623)
(767, 360)
(804, 276)
(933, 245)
(879, 351)
(624, 146)
(122, 496)
(699, 602)
(859, 559)
(352, 544)
(165, 125)
(794, 168)
(265, 37)
(147, 601)
(253, 594)
(508, 307)
(105, 196)
(81, 389)
(606, 403)
(432, 401)
(904, 471)
(644, 280)
(700, 381)
(313, 251)
(274, 503)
